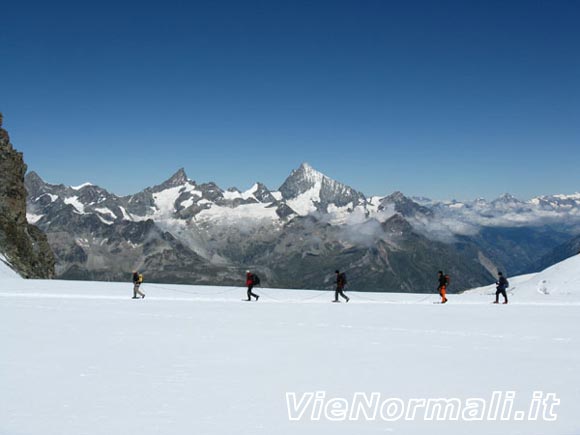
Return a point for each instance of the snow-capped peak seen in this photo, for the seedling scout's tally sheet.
(307, 189)
(306, 178)
(310, 173)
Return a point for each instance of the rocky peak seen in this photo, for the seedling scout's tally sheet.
(177, 179)
(262, 193)
(404, 205)
(34, 184)
(300, 181)
(506, 198)
(397, 197)
(396, 225)
(24, 245)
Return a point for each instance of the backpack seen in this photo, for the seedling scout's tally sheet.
(140, 280)
(447, 280)
(342, 277)
(255, 279)
(507, 283)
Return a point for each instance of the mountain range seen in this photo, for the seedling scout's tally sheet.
(295, 236)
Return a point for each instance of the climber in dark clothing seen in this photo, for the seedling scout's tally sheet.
(340, 284)
(501, 285)
(251, 280)
(443, 283)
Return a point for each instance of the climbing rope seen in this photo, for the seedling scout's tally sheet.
(191, 292)
(266, 293)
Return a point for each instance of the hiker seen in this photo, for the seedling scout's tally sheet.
(501, 285)
(443, 282)
(137, 281)
(251, 280)
(340, 284)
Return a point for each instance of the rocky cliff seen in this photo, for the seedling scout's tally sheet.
(23, 245)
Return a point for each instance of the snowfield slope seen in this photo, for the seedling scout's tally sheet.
(558, 283)
(83, 358)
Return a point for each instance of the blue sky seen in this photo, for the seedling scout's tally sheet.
(437, 98)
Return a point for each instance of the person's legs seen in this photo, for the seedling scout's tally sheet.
(504, 294)
(443, 293)
(497, 293)
(341, 293)
(250, 294)
(136, 291)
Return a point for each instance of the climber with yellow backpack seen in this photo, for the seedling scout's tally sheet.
(137, 281)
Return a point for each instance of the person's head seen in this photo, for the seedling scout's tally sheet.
(440, 273)
(134, 271)
(247, 272)
(337, 271)
(500, 274)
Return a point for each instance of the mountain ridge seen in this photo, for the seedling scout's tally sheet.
(310, 223)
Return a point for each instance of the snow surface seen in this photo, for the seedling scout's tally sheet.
(50, 195)
(79, 187)
(253, 214)
(558, 283)
(234, 194)
(165, 199)
(106, 211)
(32, 218)
(76, 203)
(304, 203)
(6, 272)
(250, 192)
(83, 358)
(126, 216)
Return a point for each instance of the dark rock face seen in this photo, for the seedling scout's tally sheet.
(556, 255)
(24, 246)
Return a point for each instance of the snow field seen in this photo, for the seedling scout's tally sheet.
(83, 358)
